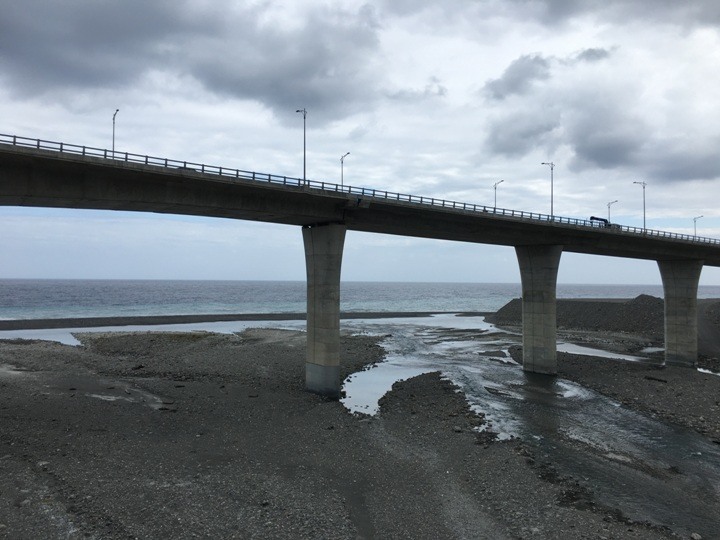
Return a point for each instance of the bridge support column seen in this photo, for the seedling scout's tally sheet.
(680, 283)
(538, 273)
(323, 258)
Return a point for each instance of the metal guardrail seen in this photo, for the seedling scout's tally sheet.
(240, 174)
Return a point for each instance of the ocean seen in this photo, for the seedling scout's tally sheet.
(47, 299)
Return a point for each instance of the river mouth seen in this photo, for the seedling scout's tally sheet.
(651, 471)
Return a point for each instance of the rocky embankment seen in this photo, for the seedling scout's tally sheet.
(642, 315)
(639, 320)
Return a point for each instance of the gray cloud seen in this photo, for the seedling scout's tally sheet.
(433, 89)
(555, 12)
(519, 77)
(680, 160)
(556, 106)
(601, 136)
(517, 133)
(593, 55)
(687, 13)
(49, 45)
(322, 62)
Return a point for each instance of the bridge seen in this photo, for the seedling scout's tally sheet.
(41, 173)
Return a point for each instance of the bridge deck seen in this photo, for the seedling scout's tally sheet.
(47, 174)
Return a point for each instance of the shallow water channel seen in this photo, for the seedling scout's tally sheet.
(651, 471)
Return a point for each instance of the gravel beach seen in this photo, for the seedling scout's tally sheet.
(201, 435)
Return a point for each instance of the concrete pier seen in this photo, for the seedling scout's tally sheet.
(323, 259)
(538, 273)
(680, 283)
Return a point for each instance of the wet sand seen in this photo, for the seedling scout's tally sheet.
(187, 435)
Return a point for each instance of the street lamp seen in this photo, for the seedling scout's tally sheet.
(609, 205)
(304, 113)
(113, 140)
(495, 185)
(342, 166)
(643, 184)
(695, 223)
(552, 182)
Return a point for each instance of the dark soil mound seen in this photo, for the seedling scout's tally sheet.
(642, 315)
(508, 315)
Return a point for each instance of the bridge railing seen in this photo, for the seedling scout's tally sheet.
(361, 192)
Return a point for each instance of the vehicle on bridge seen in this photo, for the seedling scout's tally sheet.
(605, 222)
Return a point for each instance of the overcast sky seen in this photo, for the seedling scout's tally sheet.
(441, 99)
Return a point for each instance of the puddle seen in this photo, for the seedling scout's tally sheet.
(105, 397)
(7, 370)
(369, 386)
(132, 395)
(589, 351)
(66, 335)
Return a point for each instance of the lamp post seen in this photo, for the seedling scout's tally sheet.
(495, 185)
(695, 223)
(552, 182)
(609, 205)
(304, 113)
(113, 139)
(643, 184)
(342, 167)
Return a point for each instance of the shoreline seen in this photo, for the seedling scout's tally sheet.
(153, 320)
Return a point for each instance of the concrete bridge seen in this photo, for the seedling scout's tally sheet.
(50, 174)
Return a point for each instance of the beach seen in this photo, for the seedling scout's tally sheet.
(202, 435)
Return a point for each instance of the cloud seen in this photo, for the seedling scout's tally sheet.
(593, 55)
(682, 159)
(433, 89)
(557, 12)
(519, 77)
(602, 137)
(518, 133)
(570, 103)
(46, 46)
(322, 61)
